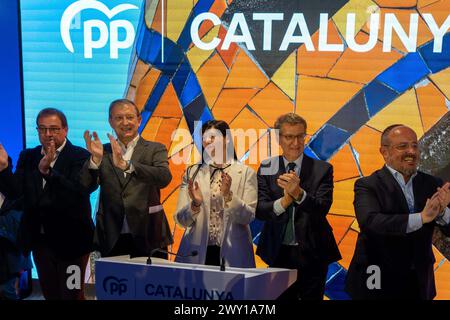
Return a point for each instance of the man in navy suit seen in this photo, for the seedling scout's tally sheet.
(56, 224)
(397, 208)
(295, 193)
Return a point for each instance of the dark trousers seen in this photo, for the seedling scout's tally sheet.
(212, 256)
(311, 277)
(53, 274)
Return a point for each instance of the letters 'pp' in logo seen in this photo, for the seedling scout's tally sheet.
(114, 286)
(110, 32)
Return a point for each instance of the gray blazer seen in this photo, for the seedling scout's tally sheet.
(137, 197)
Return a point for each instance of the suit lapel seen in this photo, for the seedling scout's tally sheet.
(36, 175)
(392, 187)
(118, 173)
(305, 171)
(235, 172)
(61, 161)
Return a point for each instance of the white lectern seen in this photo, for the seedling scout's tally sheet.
(122, 278)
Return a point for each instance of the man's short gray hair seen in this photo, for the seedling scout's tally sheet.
(289, 118)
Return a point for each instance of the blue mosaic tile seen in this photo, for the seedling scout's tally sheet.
(378, 96)
(405, 73)
(335, 285)
(327, 141)
(180, 77)
(191, 89)
(352, 115)
(437, 61)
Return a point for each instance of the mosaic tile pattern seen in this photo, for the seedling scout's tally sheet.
(348, 98)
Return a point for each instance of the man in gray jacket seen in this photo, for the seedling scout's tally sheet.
(130, 171)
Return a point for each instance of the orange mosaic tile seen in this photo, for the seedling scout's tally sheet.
(442, 81)
(318, 99)
(439, 9)
(218, 8)
(139, 72)
(432, 105)
(442, 276)
(212, 76)
(340, 225)
(363, 66)
(403, 110)
(423, 3)
(181, 138)
(157, 18)
(151, 128)
(247, 120)
(257, 151)
(367, 143)
(177, 169)
(145, 87)
(245, 73)
(403, 16)
(270, 102)
(165, 131)
(396, 3)
(318, 63)
(347, 248)
(229, 55)
(343, 198)
(230, 102)
(168, 106)
(344, 164)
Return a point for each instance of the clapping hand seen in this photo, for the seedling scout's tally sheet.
(118, 160)
(50, 152)
(94, 146)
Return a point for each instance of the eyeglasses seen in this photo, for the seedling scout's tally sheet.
(404, 146)
(52, 130)
(128, 117)
(290, 137)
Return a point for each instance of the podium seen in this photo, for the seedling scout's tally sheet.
(122, 278)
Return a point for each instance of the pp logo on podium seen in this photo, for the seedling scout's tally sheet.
(115, 286)
(108, 33)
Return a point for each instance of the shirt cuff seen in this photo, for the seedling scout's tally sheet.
(92, 164)
(302, 199)
(414, 222)
(444, 219)
(278, 208)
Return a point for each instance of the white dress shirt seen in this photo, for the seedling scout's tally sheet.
(415, 218)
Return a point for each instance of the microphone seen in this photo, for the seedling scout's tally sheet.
(191, 254)
(222, 264)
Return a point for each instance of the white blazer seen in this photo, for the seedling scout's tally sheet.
(237, 244)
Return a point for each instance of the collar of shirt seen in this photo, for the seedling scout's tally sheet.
(131, 144)
(298, 163)
(127, 151)
(399, 177)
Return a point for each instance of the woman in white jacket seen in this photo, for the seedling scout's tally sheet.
(216, 204)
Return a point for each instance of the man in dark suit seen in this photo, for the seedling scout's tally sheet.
(397, 208)
(295, 193)
(56, 224)
(130, 171)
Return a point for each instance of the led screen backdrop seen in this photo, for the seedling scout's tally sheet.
(350, 67)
